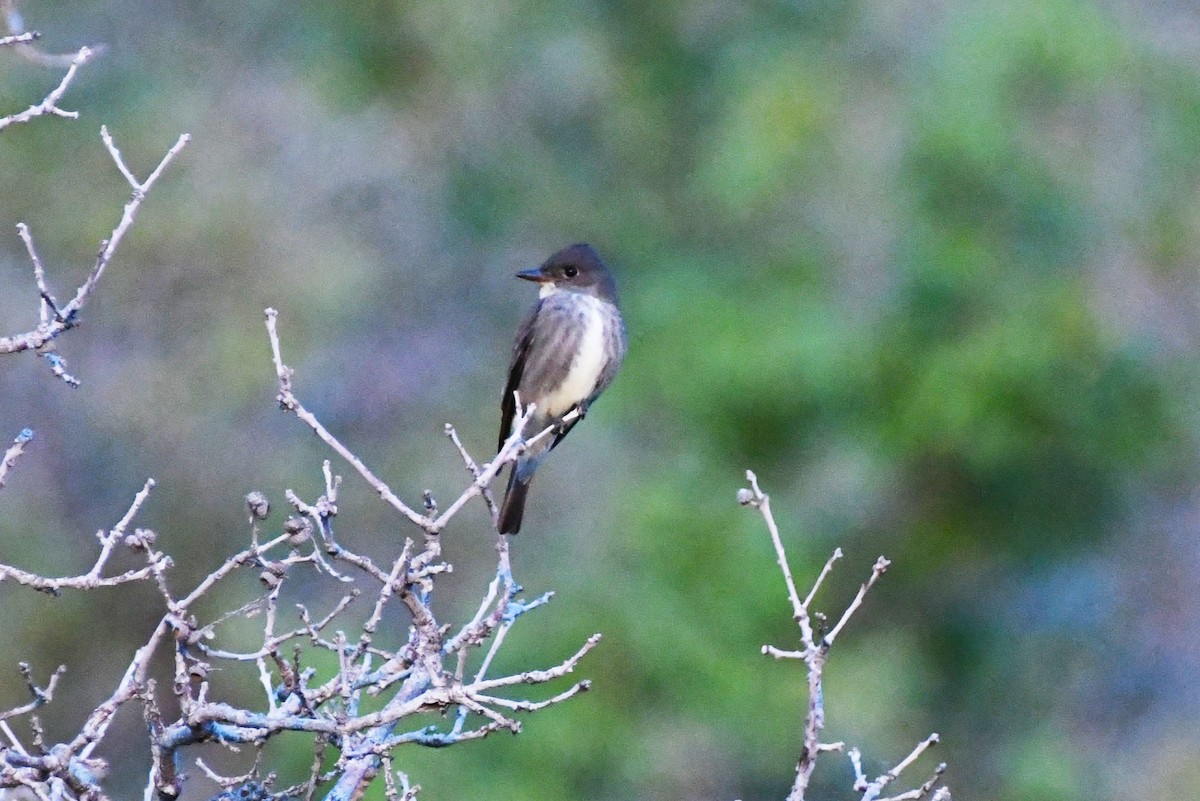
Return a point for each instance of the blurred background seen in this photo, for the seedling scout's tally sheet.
(929, 268)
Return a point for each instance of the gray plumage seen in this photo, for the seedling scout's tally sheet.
(566, 352)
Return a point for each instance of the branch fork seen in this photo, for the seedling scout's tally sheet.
(54, 319)
(815, 644)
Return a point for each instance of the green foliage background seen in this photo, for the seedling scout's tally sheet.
(928, 268)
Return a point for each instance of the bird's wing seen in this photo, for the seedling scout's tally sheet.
(516, 369)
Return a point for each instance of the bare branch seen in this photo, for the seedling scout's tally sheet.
(155, 562)
(54, 320)
(20, 38)
(15, 26)
(49, 104)
(814, 652)
(762, 502)
(539, 676)
(39, 275)
(288, 401)
(871, 789)
(475, 471)
(41, 695)
(140, 190)
(13, 453)
(335, 710)
(881, 565)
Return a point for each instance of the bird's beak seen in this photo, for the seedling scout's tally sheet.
(536, 275)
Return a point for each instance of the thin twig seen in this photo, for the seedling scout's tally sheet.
(14, 25)
(871, 790)
(49, 104)
(155, 561)
(20, 38)
(881, 565)
(762, 502)
(13, 453)
(814, 653)
(475, 471)
(54, 320)
(41, 695)
(287, 400)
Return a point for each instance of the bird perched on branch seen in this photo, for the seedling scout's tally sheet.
(567, 350)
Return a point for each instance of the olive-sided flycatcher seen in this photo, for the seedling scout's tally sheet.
(567, 351)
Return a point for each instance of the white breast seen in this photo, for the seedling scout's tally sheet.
(587, 365)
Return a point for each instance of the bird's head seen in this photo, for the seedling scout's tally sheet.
(576, 268)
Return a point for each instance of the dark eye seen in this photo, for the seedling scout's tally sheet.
(570, 272)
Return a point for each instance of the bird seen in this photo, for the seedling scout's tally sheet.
(566, 352)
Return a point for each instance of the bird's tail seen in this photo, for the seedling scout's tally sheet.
(513, 508)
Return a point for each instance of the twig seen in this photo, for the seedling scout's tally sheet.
(155, 562)
(20, 38)
(512, 448)
(762, 502)
(49, 104)
(15, 26)
(475, 471)
(140, 190)
(814, 651)
(41, 695)
(287, 400)
(13, 453)
(540, 676)
(881, 565)
(871, 790)
(54, 320)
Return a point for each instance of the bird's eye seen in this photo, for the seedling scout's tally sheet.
(570, 272)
